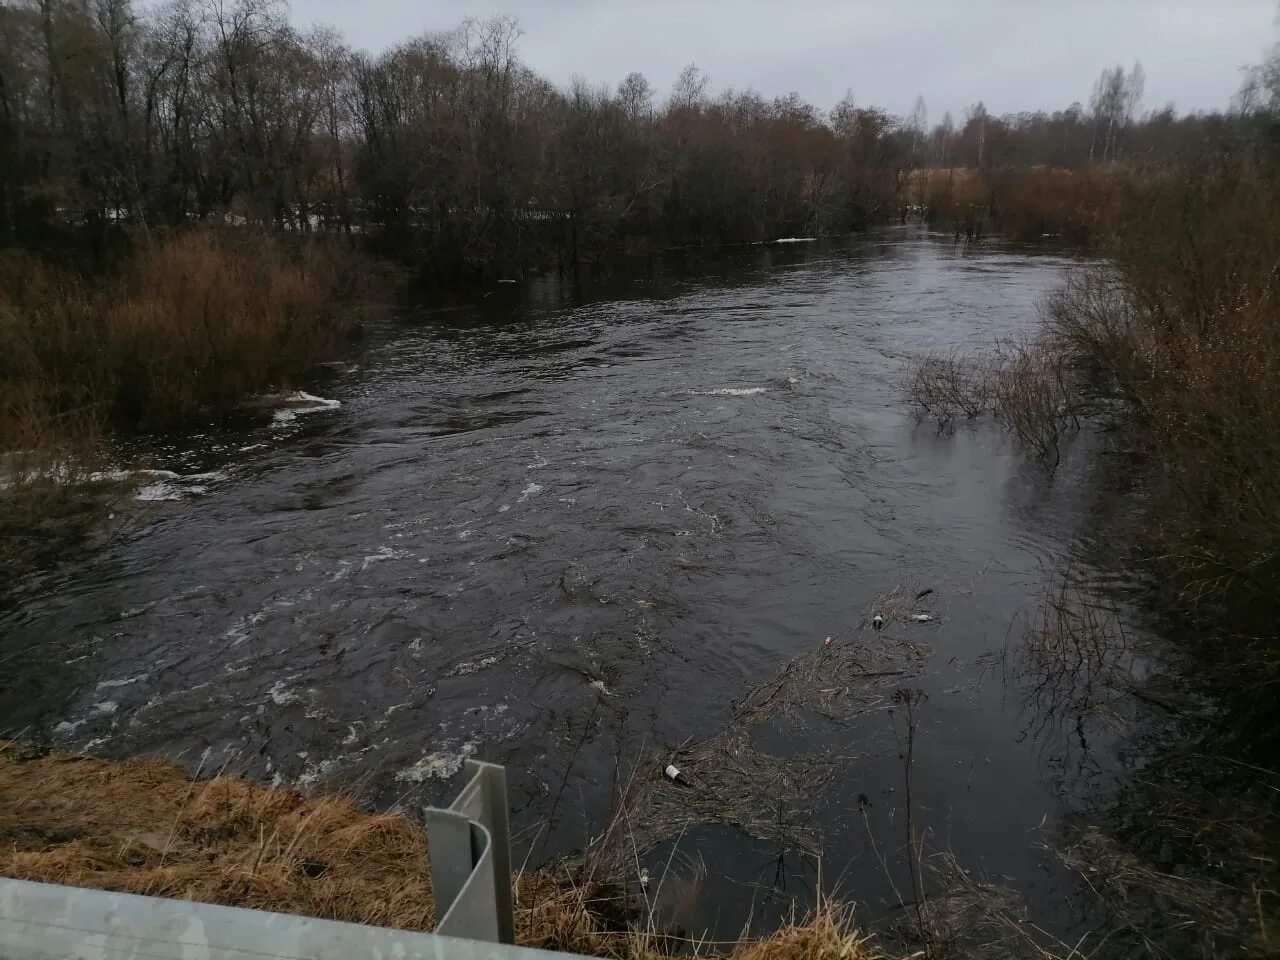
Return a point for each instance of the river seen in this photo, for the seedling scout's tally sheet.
(567, 527)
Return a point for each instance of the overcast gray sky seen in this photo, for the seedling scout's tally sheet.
(1012, 54)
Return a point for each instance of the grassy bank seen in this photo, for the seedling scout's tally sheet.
(141, 826)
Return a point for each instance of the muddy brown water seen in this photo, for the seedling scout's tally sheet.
(572, 524)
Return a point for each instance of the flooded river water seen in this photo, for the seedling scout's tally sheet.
(564, 530)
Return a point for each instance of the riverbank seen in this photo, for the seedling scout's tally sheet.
(142, 826)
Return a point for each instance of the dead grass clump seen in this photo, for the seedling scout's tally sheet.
(141, 826)
(828, 933)
(946, 386)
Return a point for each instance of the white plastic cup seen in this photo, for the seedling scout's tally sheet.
(673, 772)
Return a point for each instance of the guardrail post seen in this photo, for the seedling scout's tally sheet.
(470, 851)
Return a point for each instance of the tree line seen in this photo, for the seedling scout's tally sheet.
(448, 150)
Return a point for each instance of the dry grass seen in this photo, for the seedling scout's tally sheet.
(142, 826)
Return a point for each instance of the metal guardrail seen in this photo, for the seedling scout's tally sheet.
(470, 871)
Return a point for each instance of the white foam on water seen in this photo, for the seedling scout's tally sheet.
(157, 493)
(299, 404)
(126, 681)
(473, 666)
(105, 708)
(313, 773)
(795, 240)
(384, 554)
(731, 392)
(68, 728)
(437, 766)
(281, 696)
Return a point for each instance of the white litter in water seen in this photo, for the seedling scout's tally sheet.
(731, 392)
(66, 728)
(795, 240)
(105, 708)
(600, 685)
(529, 491)
(923, 617)
(438, 766)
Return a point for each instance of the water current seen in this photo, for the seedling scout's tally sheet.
(565, 529)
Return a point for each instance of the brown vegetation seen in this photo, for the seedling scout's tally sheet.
(141, 826)
(193, 326)
(1184, 335)
(188, 328)
(448, 151)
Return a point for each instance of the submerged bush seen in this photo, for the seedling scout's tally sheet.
(946, 386)
(192, 325)
(1032, 394)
